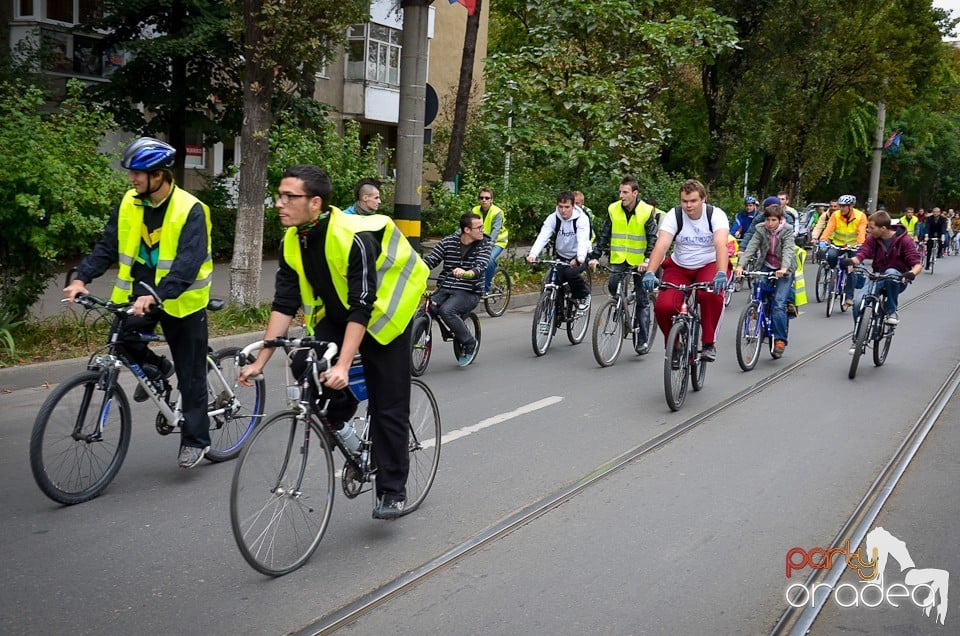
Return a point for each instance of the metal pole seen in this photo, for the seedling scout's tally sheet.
(746, 177)
(877, 158)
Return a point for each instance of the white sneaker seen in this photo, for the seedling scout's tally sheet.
(892, 319)
(852, 350)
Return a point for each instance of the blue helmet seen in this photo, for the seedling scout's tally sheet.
(148, 154)
(847, 199)
(748, 200)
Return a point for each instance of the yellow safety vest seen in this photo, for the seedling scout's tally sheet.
(488, 223)
(401, 273)
(846, 232)
(910, 224)
(628, 239)
(799, 289)
(129, 224)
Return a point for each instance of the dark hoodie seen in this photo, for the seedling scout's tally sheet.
(899, 252)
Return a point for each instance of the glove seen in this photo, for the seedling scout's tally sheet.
(719, 282)
(649, 282)
(846, 262)
(823, 245)
(910, 276)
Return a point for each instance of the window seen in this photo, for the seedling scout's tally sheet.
(70, 12)
(373, 54)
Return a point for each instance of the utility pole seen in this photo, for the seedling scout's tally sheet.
(877, 158)
(413, 100)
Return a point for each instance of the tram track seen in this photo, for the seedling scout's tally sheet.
(870, 504)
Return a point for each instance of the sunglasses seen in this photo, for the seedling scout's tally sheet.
(485, 198)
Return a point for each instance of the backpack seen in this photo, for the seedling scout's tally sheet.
(556, 227)
(679, 214)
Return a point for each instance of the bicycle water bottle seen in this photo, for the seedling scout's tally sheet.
(348, 435)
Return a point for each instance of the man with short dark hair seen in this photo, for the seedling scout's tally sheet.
(367, 197)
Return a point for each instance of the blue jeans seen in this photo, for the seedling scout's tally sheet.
(893, 289)
(782, 289)
(491, 267)
(833, 254)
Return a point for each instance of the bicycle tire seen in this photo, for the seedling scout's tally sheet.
(472, 322)
(676, 367)
(424, 444)
(498, 296)
(607, 334)
(544, 323)
(698, 367)
(860, 339)
(281, 495)
(933, 259)
(230, 430)
(421, 346)
(821, 285)
(749, 337)
(579, 322)
(831, 290)
(881, 345)
(85, 468)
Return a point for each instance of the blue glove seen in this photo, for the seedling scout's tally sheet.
(649, 282)
(719, 282)
(823, 245)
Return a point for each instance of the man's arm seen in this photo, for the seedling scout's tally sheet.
(546, 231)
(862, 230)
(650, 228)
(496, 225)
(435, 257)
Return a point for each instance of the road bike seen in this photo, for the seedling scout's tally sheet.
(871, 328)
(555, 306)
(934, 253)
(834, 280)
(683, 362)
(82, 431)
(756, 320)
(619, 319)
(497, 298)
(421, 335)
(281, 496)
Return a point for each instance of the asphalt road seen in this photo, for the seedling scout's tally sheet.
(688, 540)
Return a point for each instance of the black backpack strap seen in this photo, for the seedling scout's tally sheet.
(679, 213)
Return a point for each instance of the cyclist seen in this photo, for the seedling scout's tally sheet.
(792, 217)
(846, 228)
(773, 244)
(160, 235)
(834, 206)
(628, 234)
(936, 227)
(494, 226)
(698, 231)
(359, 283)
(909, 221)
(367, 197)
(744, 218)
(893, 252)
(955, 232)
(464, 255)
(571, 226)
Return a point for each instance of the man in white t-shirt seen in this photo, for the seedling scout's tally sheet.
(699, 255)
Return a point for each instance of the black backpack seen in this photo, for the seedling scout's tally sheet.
(679, 213)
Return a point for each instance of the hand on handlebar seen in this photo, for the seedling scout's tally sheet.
(719, 282)
(75, 288)
(649, 282)
(250, 372)
(531, 259)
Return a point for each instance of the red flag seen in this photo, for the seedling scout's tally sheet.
(471, 5)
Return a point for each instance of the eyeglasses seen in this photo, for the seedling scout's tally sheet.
(479, 227)
(485, 198)
(284, 197)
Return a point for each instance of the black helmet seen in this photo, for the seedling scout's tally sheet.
(148, 154)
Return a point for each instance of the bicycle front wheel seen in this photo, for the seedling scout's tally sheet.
(831, 290)
(240, 407)
(80, 438)
(822, 282)
(676, 366)
(282, 493)
(578, 323)
(420, 351)
(424, 444)
(881, 345)
(544, 322)
(860, 338)
(607, 334)
(749, 337)
(651, 322)
(498, 296)
(698, 367)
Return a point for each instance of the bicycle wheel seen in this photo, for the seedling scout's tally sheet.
(676, 367)
(579, 322)
(473, 326)
(860, 338)
(242, 406)
(822, 282)
(422, 341)
(749, 337)
(607, 334)
(698, 368)
(544, 322)
(881, 345)
(79, 439)
(498, 297)
(651, 322)
(282, 493)
(933, 258)
(831, 290)
(424, 444)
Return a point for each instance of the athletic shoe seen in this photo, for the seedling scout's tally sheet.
(778, 348)
(389, 507)
(892, 319)
(166, 367)
(190, 456)
(709, 353)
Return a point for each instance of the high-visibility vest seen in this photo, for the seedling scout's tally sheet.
(846, 231)
(488, 223)
(401, 273)
(910, 224)
(129, 224)
(628, 239)
(799, 289)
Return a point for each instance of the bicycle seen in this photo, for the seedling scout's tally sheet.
(871, 323)
(618, 319)
(555, 306)
(421, 335)
(834, 281)
(756, 320)
(684, 348)
(82, 431)
(934, 251)
(497, 298)
(281, 496)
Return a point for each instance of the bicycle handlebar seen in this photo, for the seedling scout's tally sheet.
(759, 274)
(668, 285)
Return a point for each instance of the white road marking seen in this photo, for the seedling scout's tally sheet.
(496, 419)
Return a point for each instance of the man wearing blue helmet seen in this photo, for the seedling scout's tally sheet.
(744, 218)
(160, 235)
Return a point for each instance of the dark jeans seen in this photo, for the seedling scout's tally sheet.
(187, 339)
(833, 257)
(641, 316)
(450, 304)
(572, 276)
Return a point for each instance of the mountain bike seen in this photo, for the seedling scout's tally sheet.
(281, 496)
(82, 431)
(756, 320)
(619, 319)
(871, 328)
(497, 298)
(421, 335)
(556, 306)
(682, 362)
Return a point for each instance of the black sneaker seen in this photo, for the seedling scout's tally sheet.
(709, 353)
(389, 507)
(165, 368)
